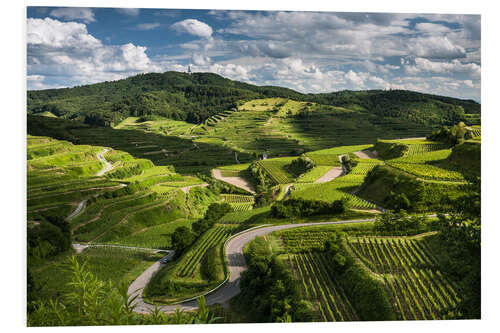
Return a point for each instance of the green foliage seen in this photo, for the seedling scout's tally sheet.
(92, 302)
(182, 238)
(301, 165)
(400, 223)
(268, 291)
(460, 238)
(214, 212)
(466, 157)
(366, 293)
(300, 207)
(349, 162)
(389, 150)
(395, 190)
(451, 136)
(50, 236)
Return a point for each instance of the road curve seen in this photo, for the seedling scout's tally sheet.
(236, 264)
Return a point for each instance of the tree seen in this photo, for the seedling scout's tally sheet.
(181, 239)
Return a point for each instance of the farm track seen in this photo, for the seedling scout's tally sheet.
(125, 218)
(366, 154)
(236, 266)
(78, 209)
(98, 215)
(186, 189)
(331, 174)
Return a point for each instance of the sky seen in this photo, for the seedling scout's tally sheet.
(310, 52)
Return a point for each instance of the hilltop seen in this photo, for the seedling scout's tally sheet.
(198, 96)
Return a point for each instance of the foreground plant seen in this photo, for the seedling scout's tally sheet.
(93, 302)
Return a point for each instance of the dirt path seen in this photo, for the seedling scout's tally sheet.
(186, 189)
(236, 264)
(330, 175)
(366, 154)
(236, 181)
(108, 166)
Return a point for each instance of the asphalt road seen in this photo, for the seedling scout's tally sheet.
(236, 265)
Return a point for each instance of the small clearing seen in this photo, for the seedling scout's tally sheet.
(366, 154)
(236, 181)
(330, 175)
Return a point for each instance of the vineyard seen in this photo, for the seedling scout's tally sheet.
(239, 202)
(415, 149)
(275, 169)
(311, 269)
(427, 171)
(436, 155)
(330, 192)
(189, 265)
(419, 290)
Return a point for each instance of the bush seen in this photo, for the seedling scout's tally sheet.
(301, 165)
(301, 207)
(269, 293)
(182, 238)
(366, 293)
(400, 223)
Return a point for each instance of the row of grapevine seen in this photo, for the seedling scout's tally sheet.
(193, 258)
(419, 291)
(415, 149)
(237, 198)
(436, 155)
(242, 206)
(427, 171)
(276, 172)
(363, 168)
(320, 288)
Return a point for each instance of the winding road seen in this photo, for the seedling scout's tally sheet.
(236, 264)
(108, 166)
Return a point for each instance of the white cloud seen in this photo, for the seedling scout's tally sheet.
(67, 51)
(193, 27)
(354, 79)
(74, 13)
(148, 26)
(423, 65)
(128, 11)
(200, 59)
(53, 33)
(435, 47)
(431, 28)
(469, 83)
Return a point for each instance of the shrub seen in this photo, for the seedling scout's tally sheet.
(301, 207)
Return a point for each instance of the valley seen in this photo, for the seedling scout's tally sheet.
(344, 207)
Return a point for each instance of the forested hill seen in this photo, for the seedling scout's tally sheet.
(195, 97)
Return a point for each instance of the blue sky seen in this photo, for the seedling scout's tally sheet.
(306, 51)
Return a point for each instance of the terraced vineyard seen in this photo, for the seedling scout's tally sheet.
(418, 289)
(275, 168)
(311, 270)
(415, 149)
(436, 155)
(190, 262)
(239, 202)
(427, 171)
(331, 191)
